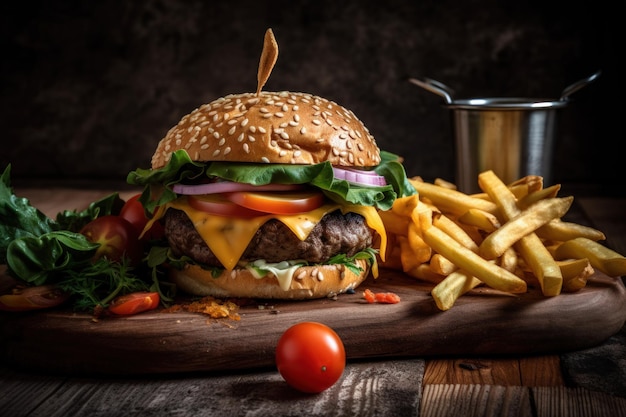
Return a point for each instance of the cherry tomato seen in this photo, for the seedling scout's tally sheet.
(278, 202)
(134, 212)
(117, 238)
(133, 303)
(219, 205)
(310, 356)
(33, 298)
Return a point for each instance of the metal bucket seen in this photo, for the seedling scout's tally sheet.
(513, 137)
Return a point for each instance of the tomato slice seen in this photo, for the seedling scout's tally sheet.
(278, 202)
(219, 205)
(133, 303)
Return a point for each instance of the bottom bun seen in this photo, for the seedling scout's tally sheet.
(308, 282)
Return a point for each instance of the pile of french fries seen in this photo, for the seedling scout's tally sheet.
(507, 238)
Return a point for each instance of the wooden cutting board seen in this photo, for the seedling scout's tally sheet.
(481, 322)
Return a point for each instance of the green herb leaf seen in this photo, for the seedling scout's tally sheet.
(18, 218)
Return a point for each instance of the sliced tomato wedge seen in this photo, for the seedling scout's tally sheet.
(134, 303)
(219, 205)
(278, 202)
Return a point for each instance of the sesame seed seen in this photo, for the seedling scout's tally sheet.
(301, 275)
(216, 152)
(221, 142)
(246, 148)
(273, 143)
(320, 276)
(232, 130)
(361, 161)
(251, 138)
(252, 129)
(244, 122)
(284, 135)
(264, 159)
(303, 130)
(282, 153)
(203, 140)
(279, 114)
(205, 146)
(216, 135)
(227, 150)
(316, 122)
(240, 137)
(297, 154)
(263, 110)
(360, 146)
(267, 115)
(314, 272)
(232, 122)
(262, 129)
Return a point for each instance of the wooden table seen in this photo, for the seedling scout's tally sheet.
(538, 385)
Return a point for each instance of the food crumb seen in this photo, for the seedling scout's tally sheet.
(210, 306)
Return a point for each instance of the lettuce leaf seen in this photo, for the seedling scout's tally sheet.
(181, 169)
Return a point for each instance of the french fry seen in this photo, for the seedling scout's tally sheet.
(421, 251)
(602, 258)
(522, 224)
(509, 260)
(452, 287)
(537, 257)
(441, 265)
(444, 223)
(532, 182)
(425, 273)
(443, 183)
(535, 196)
(561, 231)
(575, 273)
(451, 201)
(488, 272)
(480, 219)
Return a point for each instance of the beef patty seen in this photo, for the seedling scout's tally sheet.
(336, 233)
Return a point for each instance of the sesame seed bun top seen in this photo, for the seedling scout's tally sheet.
(271, 127)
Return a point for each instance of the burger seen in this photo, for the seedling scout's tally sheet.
(270, 195)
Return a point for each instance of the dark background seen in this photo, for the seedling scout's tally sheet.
(90, 87)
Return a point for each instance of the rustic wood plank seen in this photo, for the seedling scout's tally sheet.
(390, 388)
(576, 402)
(476, 370)
(541, 371)
(448, 400)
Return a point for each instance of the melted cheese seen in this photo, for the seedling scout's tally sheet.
(228, 237)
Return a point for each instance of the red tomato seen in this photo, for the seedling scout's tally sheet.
(310, 357)
(134, 212)
(116, 236)
(133, 303)
(219, 205)
(278, 202)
